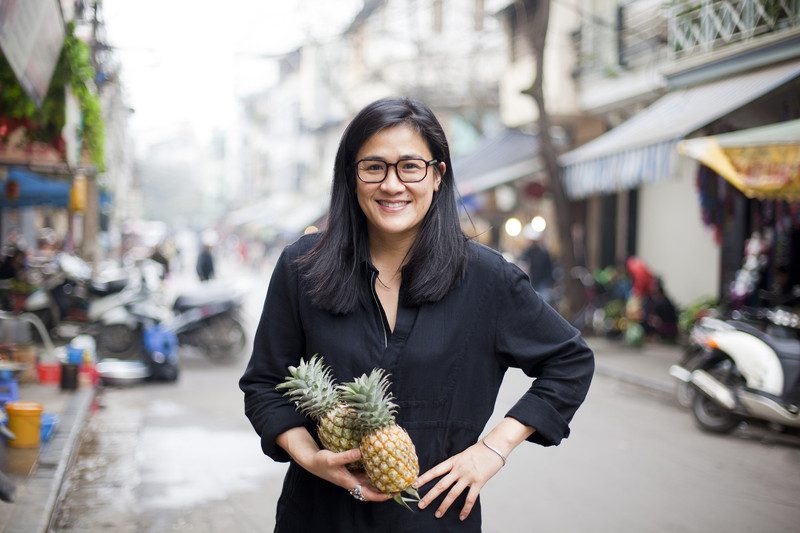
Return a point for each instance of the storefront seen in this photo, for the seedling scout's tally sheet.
(750, 194)
(635, 172)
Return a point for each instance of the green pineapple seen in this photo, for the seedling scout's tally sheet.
(389, 457)
(310, 385)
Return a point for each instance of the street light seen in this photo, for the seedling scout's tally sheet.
(513, 227)
(538, 223)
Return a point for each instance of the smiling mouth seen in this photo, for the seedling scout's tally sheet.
(392, 205)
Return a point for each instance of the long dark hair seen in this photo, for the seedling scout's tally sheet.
(332, 269)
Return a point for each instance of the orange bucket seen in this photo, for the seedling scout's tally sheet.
(25, 421)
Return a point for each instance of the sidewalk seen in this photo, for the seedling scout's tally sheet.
(39, 473)
(646, 367)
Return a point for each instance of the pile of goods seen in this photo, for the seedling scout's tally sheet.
(358, 414)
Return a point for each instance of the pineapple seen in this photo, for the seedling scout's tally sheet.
(311, 387)
(387, 452)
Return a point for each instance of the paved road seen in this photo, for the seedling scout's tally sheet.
(182, 457)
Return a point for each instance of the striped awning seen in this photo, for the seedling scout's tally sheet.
(643, 150)
(507, 156)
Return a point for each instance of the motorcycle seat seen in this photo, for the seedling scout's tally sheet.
(785, 348)
(107, 287)
(200, 299)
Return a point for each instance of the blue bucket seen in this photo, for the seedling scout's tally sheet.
(48, 426)
(74, 355)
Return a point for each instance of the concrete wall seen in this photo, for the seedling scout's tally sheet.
(673, 241)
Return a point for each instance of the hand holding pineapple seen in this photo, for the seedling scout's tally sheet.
(389, 457)
(353, 420)
(326, 464)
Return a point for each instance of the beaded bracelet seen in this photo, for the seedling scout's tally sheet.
(495, 450)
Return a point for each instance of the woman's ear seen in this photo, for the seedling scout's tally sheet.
(442, 168)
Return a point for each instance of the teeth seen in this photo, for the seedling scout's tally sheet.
(392, 204)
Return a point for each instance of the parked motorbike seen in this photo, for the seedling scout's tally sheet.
(210, 320)
(70, 302)
(748, 369)
(692, 356)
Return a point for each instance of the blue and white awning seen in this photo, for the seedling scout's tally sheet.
(642, 149)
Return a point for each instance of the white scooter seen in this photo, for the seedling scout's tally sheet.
(747, 372)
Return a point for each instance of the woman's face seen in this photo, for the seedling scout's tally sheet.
(394, 208)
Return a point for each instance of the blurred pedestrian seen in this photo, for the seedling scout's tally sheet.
(394, 282)
(539, 265)
(660, 314)
(159, 257)
(205, 263)
(13, 265)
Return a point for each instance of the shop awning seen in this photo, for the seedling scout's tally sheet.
(260, 212)
(643, 148)
(499, 159)
(28, 189)
(761, 162)
(304, 214)
(284, 212)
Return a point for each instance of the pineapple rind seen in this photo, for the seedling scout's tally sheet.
(390, 459)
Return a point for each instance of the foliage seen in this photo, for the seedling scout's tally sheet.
(74, 68)
(695, 312)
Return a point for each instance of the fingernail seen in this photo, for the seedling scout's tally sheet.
(438, 514)
(421, 504)
(462, 517)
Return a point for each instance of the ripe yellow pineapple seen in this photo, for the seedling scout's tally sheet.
(389, 456)
(311, 387)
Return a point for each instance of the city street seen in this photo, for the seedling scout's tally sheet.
(183, 457)
(638, 160)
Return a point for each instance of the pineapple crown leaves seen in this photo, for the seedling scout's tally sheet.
(311, 387)
(370, 398)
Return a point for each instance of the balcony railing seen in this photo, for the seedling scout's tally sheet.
(703, 25)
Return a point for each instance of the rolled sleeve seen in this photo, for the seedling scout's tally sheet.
(279, 342)
(530, 335)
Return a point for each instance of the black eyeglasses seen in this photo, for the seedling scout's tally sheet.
(407, 170)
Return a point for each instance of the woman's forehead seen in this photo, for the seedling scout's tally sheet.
(402, 139)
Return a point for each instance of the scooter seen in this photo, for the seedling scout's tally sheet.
(70, 302)
(747, 372)
(210, 320)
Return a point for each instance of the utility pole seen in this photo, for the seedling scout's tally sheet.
(536, 19)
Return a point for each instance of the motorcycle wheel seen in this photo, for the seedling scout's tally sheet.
(118, 341)
(707, 414)
(225, 339)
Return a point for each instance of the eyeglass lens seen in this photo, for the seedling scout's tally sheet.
(407, 170)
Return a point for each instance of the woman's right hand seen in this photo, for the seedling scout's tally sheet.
(330, 466)
(326, 464)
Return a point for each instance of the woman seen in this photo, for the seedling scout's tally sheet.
(394, 283)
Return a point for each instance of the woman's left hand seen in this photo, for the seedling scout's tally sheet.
(470, 469)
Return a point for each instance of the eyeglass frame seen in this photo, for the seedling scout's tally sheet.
(396, 173)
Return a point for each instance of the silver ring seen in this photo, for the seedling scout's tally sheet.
(356, 493)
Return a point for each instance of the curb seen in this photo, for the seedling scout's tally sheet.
(658, 387)
(37, 499)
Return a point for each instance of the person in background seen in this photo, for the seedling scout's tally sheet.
(393, 282)
(159, 257)
(660, 314)
(205, 263)
(539, 265)
(13, 265)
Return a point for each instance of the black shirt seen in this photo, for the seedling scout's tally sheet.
(446, 361)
